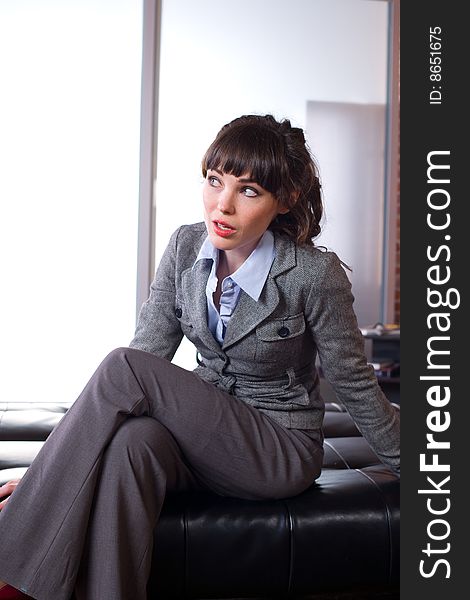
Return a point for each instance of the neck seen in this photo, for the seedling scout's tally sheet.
(233, 259)
(224, 268)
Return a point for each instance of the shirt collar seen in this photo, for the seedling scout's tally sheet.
(252, 274)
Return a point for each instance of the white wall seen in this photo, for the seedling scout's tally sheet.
(220, 59)
(348, 140)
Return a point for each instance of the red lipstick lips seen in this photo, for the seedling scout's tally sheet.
(223, 229)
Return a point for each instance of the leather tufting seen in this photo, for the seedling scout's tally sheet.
(340, 535)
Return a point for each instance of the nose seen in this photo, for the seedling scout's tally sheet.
(226, 203)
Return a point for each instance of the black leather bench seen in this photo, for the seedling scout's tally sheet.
(338, 539)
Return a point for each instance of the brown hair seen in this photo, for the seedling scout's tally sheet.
(277, 157)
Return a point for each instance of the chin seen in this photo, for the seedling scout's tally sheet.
(220, 243)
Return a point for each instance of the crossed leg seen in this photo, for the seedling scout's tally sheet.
(204, 437)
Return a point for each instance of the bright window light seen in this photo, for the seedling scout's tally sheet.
(69, 159)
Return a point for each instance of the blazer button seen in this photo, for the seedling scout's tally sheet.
(283, 332)
(178, 312)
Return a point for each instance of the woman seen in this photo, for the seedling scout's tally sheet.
(258, 301)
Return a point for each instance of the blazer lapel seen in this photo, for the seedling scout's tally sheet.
(194, 281)
(248, 313)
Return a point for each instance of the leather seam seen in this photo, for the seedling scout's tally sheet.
(290, 525)
(186, 552)
(340, 456)
(389, 520)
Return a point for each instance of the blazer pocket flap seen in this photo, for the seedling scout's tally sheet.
(281, 329)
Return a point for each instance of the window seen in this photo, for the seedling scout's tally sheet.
(301, 60)
(69, 190)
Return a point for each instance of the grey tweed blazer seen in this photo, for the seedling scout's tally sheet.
(268, 357)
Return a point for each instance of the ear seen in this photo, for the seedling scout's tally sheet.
(294, 197)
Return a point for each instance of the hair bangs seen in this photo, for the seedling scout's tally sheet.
(246, 152)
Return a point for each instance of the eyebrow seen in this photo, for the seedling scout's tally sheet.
(239, 179)
(242, 180)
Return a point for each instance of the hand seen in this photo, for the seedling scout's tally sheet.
(6, 490)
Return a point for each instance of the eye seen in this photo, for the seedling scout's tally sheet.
(250, 192)
(213, 181)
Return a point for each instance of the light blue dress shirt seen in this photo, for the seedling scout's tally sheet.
(249, 277)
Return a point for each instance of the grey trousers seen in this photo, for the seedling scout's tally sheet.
(81, 520)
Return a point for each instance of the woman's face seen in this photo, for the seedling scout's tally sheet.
(237, 211)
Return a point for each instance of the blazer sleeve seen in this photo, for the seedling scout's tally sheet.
(340, 347)
(158, 330)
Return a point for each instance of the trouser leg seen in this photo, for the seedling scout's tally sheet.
(141, 463)
(233, 448)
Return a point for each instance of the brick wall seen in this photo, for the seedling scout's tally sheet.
(397, 253)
